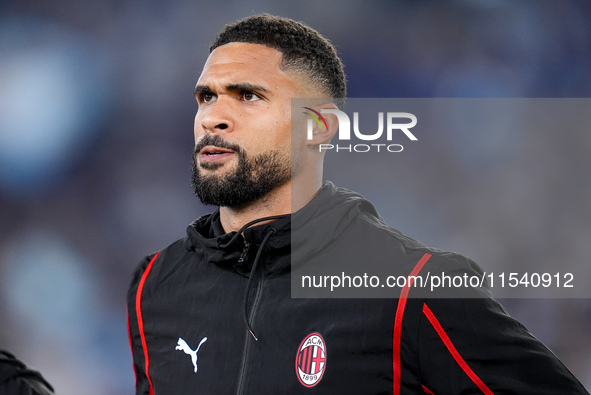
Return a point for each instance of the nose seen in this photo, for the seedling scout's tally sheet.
(217, 118)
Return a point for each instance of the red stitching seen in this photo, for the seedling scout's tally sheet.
(140, 320)
(398, 324)
(453, 351)
(427, 391)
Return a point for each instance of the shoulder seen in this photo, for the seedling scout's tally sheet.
(369, 228)
(157, 261)
(444, 274)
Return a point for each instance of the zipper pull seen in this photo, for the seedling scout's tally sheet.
(244, 253)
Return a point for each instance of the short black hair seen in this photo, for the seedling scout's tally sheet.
(303, 49)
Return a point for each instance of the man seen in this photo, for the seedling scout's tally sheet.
(213, 314)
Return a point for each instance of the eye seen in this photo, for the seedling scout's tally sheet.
(250, 96)
(207, 97)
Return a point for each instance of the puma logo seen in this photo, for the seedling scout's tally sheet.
(183, 346)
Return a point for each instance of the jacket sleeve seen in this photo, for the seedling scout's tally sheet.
(472, 346)
(135, 337)
(17, 379)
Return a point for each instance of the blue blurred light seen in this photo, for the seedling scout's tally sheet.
(53, 94)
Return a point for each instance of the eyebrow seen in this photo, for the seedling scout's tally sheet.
(200, 89)
(236, 87)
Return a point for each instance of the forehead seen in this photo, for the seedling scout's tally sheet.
(243, 62)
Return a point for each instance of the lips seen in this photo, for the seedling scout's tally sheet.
(213, 153)
(213, 150)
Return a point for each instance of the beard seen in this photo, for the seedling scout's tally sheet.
(252, 179)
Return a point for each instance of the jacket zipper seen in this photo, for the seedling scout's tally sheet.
(249, 340)
(244, 252)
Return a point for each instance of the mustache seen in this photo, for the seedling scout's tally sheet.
(216, 141)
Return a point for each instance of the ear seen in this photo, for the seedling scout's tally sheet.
(324, 126)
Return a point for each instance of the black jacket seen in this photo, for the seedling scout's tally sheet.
(213, 314)
(17, 379)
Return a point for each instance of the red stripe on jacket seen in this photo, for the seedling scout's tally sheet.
(140, 320)
(396, 365)
(453, 351)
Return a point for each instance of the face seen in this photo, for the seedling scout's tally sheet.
(243, 127)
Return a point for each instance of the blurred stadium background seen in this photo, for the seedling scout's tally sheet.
(96, 115)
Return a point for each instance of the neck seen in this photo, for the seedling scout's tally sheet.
(280, 201)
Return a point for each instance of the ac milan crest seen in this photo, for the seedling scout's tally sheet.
(310, 360)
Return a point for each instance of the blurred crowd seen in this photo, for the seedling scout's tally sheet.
(96, 119)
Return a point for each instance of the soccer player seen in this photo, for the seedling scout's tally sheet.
(213, 314)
